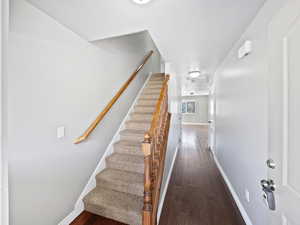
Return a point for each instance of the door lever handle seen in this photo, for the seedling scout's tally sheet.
(268, 187)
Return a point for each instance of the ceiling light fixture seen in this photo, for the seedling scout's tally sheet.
(141, 2)
(194, 73)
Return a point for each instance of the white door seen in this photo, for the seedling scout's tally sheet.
(211, 119)
(284, 113)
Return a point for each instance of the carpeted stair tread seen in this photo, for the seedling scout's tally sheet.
(155, 82)
(131, 134)
(125, 158)
(141, 125)
(147, 102)
(144, 108)
(139, 121)
(141, 116)
(155, 92)
(160, 78)
(131, 163)
(115, 205)
(130, 144)
(123, 181)
(154, 87)
(128, 147)
(146, 93)
(138, 124)
(149, 96)
(143, 113)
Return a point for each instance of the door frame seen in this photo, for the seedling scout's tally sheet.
(4, 29)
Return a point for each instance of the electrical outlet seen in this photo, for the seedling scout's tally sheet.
(247, 195)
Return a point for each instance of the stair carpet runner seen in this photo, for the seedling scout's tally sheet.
(120, 186)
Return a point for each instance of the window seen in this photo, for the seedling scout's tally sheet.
(188, 107)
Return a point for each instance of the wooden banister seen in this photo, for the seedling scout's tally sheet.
(154, 148)
(94, 124)
(158, 104)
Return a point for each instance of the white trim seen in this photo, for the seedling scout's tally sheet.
(4, 202)
(199, 124)
(72, 216)
(233, 193)
(162, 199)
(91, 184)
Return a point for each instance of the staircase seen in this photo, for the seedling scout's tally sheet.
(119, 193)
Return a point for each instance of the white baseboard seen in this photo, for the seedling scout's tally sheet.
(79, 207)
(199, 124)
(161, 202)
(233, 193)
(72, 216)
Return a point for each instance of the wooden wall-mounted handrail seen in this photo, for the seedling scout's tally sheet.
(112, 101)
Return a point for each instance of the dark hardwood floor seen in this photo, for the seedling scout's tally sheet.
(87, 218)
(196, 194)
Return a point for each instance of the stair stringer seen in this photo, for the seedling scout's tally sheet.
(91, 184)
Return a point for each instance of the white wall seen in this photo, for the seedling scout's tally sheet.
(201, 115)
(241, 115)
(174, 95)
(58, 79)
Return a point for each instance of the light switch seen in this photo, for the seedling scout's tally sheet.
(60, 132)
(247, 195)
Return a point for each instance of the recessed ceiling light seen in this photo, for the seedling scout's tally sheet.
(141, 2)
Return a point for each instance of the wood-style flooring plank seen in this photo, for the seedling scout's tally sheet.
(197, 194)
(87, 218)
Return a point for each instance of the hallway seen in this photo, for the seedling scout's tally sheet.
(196, 193)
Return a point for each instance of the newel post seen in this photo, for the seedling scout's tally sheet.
(148, 205)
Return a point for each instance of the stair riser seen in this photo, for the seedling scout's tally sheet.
(141, 116)
(136, 168)
(144, 109)
(117, 215)
(125, 188)
(138, 126)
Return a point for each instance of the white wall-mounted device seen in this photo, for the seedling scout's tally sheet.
(245, 49)
(60, 132)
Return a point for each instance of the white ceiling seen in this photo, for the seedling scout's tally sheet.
(187, 32)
